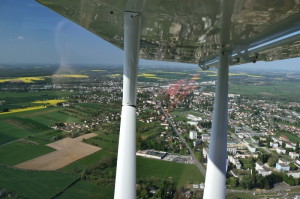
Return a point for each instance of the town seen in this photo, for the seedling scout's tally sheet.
(174, 116)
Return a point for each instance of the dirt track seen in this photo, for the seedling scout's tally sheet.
(68, 151)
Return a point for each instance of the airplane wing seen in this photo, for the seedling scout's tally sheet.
(188, 31)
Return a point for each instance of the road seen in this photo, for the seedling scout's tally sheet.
(198, 164)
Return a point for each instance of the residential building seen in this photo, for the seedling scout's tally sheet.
(205, 137)
(290, 145)
(294, 174)
(282, 167)
(294, 155)
(262, 170)
(274, 144)
(251, 148)
(280, 150)
(193, 135)
(277, 140)
(205, 152)
(231, 150)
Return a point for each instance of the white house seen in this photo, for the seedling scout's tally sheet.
(274, 144)
(231, 150)
(205, 137)
(294, 174)
(251, 148)
(234, 161)
(205, 152)
(283, 161)
(280, 150)
(193, 135)
(294, 155)
(262, 170)
(282, 167)
(277, 140)
(290, 145)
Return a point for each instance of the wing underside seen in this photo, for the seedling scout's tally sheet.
(188, 31)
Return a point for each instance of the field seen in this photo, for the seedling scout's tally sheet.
(17, 152)
(108, 142)
(24, 124)
(10, 132)
(20, 99)
(84, 189)
(284, 89)
(181, 173)
(67, 151)
(181, 115)
(239, 195)
(83, 163)
(34, 184)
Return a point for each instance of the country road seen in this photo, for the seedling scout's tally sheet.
(198, 164)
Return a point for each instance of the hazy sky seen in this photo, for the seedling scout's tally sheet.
(32, 33)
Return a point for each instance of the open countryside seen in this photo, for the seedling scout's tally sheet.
(74, 133)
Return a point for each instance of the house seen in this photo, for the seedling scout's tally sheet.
(284, 161)
(282, 167)
(193, 135)
(231, 150)
(205, 137)
(274, 144)
(192, 123)
(294, 155)
(280, 150)
(234, 161)
(290, 145)
(294, 174)
(251, 148)
(277, 140)
(262, 170)
(205, 152)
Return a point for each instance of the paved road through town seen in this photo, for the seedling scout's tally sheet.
(198, 164)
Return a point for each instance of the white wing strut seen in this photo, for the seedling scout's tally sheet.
(125, 187)
(216, 162)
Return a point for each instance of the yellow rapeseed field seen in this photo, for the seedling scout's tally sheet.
(50, 102)
(23, 109)
(73, 76)
(22, 79)
(114, 75)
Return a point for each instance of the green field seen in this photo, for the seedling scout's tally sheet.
(84, 190)
(83, 163)
(181, 115)
(19, 99)
(18, 152)
(50, 116)
(10, 132)
(239, 196)
(15, 128)
(107, 142)
(285, 89)
(47, 137)
(34, 184)
(24, 124)
(181, 173)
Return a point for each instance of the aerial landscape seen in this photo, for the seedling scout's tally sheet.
(60, 127)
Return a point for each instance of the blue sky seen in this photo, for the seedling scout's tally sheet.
(31, 33)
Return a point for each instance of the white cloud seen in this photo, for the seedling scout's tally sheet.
(20, 37)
